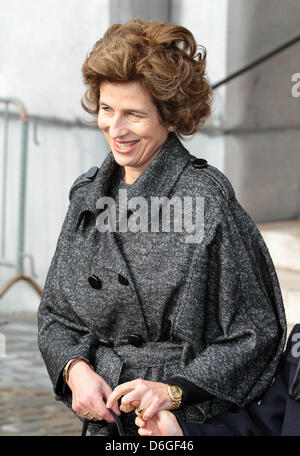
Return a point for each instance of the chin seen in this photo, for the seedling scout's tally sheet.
(122, 161)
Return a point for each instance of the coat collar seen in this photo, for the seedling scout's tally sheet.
(158, 179)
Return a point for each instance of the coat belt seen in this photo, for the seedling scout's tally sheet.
(150, 354)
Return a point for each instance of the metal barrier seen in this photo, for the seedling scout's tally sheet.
(18, 263)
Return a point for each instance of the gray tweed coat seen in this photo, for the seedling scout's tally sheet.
(217, 313)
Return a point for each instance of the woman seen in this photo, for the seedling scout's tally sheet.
(142, 302)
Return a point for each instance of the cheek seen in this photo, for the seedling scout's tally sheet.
(103, 123)
(154, 132)
(147, 130)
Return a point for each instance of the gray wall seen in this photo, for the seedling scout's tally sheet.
(123, 10)
(42, 47)
(262, 152)
(208, 23)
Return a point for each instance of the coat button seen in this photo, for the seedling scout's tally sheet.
(92, 172)
(95, 282)
(105, 342)
(199, 163)
(123, 280)
(135, 340)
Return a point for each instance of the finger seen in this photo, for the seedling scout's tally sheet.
(97, 415)
(114, 407)
(84, 408)
(144, 432)
(139, 422)
(126, 408)
(113, 410)
(122, 389)
(83, 414)
(115, 395)
(100, 412)
(132, 397)
(134, 404)
(150, 411)
(103, 415)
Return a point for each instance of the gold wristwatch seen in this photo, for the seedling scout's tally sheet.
(175, 394)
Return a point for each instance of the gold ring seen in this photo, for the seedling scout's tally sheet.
(89, 416)
(140, 411)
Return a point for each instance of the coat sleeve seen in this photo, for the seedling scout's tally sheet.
(239, 309)
(62, 335)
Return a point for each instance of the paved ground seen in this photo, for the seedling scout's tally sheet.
(27, 403)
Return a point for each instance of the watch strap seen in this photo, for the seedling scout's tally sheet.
(176, 402)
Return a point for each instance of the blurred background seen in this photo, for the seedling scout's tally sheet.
(253, 137)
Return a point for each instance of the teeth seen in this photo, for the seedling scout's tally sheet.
(125, 146)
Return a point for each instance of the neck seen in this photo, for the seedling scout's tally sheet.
(130, 174)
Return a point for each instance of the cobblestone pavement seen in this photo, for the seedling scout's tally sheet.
(27, 402)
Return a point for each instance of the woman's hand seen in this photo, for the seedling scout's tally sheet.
(88, 391)
(162, 423)
(151, 396)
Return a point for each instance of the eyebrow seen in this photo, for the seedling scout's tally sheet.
(126, 110)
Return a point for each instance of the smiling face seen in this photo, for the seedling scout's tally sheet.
(132, 126)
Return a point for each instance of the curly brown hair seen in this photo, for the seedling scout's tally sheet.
(163, 57)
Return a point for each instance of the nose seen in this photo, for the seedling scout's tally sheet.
(117, 127)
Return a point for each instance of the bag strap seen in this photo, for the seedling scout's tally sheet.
(84, 428)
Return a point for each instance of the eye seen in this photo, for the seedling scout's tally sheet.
(134, 115)
(105, 108)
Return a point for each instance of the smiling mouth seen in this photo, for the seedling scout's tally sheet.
(128, 143)
(125, 146)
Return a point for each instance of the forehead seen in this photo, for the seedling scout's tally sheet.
(122, 93)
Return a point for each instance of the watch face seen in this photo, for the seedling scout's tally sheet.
(176, 392)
